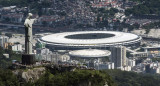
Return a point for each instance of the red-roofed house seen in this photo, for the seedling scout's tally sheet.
(48, 20)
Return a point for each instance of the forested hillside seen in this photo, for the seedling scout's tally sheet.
(124, 78)
(145, 7)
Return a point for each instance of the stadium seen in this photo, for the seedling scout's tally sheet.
(90, 39)
(89, 53)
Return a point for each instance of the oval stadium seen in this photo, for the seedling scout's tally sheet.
(89, 53)
(90, 39)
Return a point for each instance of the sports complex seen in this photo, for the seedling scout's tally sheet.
(90, 39)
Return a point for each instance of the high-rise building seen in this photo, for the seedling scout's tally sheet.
(3, 40)
(43, 51)
(7, 45)
(131, 62)
(16, 47)
(118, 56)
(44, 54)
(102, 66)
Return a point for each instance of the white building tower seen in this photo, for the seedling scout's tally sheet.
(118, 56)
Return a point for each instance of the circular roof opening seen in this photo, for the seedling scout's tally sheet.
(90, 36)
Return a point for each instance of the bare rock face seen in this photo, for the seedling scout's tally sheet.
(30, 74)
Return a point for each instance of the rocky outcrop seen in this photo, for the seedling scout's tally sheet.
(30, 74)
(33, 74)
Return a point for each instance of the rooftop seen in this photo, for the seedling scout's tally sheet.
(90, 53)
(117, 37)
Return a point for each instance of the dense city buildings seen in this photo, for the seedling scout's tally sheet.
(80, 43)
(64, 26)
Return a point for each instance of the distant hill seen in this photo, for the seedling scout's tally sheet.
(14, 2)
(145, 7)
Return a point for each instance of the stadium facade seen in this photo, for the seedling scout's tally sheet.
(90, 39)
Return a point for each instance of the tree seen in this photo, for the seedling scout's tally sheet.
(147, 31)
(44, 23)
(75, 78)
(8, 34)
(7, 78)
(7, 19)
(124, 78)
(146, 7)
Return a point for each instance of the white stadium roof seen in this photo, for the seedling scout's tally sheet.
(119, 38)
(90, 53)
